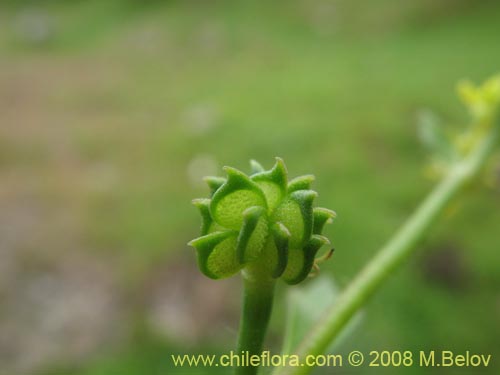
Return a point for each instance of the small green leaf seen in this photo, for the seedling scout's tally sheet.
(305, 199)
(321, 216)
(216, 255)
(214, 183)
(300, 183)
(222, 261)
(294, 266)
(281, 237)
(296, 214)
(256, 167)
(266, 264)
(203, 205)
(253, 234)
(273, 183)
(234, 197)
(300, 268)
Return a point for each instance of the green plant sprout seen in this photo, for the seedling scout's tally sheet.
(267, 228)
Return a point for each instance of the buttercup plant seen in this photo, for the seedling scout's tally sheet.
(267, 228)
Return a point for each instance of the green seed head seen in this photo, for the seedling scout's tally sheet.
(261, 221)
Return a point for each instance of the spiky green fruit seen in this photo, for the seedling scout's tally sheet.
(261, 220)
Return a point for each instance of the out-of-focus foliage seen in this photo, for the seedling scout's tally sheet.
(448, 147)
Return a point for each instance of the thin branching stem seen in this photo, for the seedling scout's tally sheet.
(390, 257)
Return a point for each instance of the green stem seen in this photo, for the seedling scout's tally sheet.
(390, 256)
(258, 297)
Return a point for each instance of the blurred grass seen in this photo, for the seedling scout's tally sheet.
(127, 95)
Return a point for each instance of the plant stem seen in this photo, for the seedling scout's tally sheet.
(398, 248)
(258, 297)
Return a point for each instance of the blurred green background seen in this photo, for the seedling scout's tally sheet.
(112, 111)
